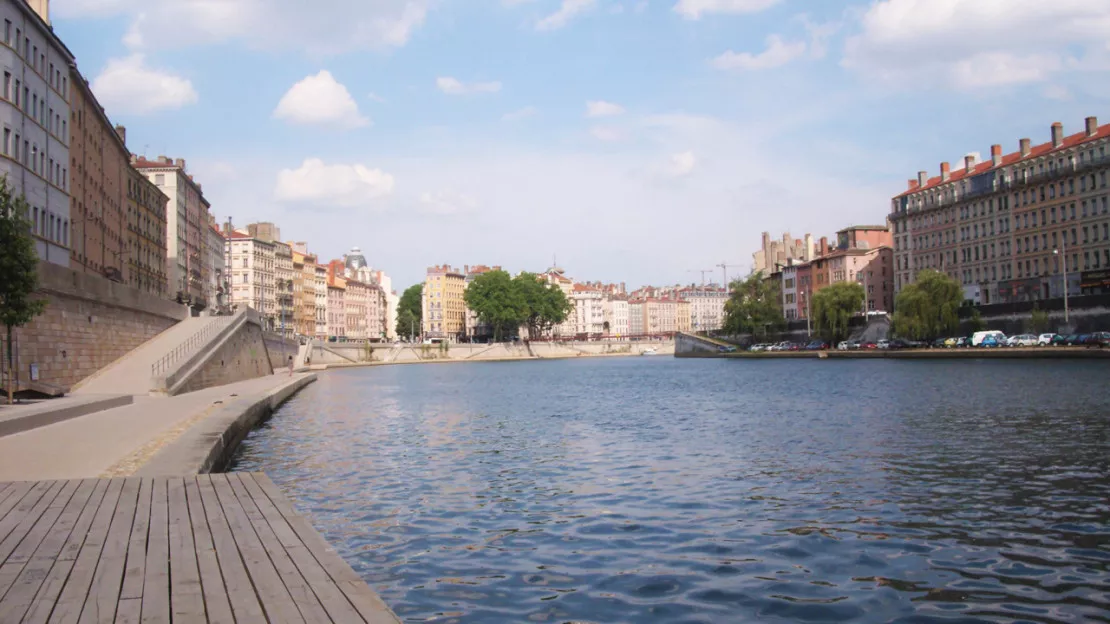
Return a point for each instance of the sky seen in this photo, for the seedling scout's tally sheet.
(629, 140)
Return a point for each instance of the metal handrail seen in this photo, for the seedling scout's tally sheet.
(191, 345)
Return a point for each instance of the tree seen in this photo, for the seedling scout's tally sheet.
(18, 270)
(833, 308)
(410, 312)
(753, 307)
(545, 304)
(928, 308)
(1039, 321)
(976, 323)
(498, 302)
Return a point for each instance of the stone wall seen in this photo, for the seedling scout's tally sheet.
(241, 356)
(280, 349)
(89, 323)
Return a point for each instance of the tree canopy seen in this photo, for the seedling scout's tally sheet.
(545, 304)
(928, 308)
(754, 306)
(498, 301)
(410, 312)
(18, 268)
(833, 308)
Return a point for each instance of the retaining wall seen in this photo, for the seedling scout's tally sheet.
(345, 354)
(242, 355)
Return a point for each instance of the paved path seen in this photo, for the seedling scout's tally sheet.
(131, 373)
(217, 548)
(116, 441)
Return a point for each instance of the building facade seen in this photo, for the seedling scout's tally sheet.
(781, 252)
(356, 296)
(321, 291)
(588, 311)
(615, 313)
(37, 121)
(252, 275)
(146, 235)
(1010, 228)
(216, 291)
(336, 309)
(284, 297)
(443, 306)
(707, 307)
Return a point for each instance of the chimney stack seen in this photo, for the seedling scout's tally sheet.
(996, 155)
(122, 132)
(1025, 147)
(1092, 126)
(945, 171)
(1057, 134)
(922, 178)
(969, 162)
(180, 162)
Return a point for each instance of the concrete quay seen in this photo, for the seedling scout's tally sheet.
(1008, 353)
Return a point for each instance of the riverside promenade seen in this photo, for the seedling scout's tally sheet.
(113, 516)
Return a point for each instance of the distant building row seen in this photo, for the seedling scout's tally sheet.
(599, 311)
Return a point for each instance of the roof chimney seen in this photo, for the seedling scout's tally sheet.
(180, 162)
(922, 178)
(969, 162)
(122, 132)
(945, 171)
(1057, 134)
(996, 155)
(1092, 126)
(911, 184)
(1025, 147)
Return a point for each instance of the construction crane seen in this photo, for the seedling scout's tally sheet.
(724, 266)
(703, 272)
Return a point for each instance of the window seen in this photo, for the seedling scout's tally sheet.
(1084, 234)
(1073, 210)
(160, 179)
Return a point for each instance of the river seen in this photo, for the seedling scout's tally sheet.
(662, 490)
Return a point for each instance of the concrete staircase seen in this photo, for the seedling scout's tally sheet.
(135, 373)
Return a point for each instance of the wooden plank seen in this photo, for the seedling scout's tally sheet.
(72, 599)
(5, 489)
(14, 493)
(47, 595)
(18, 600)
(333, 600)
(26, 536)
(364, 599)
(216, 602)
(307, 602)
(275, 598)
(245, 604)
(156, 572)
(186, 595)
(135, 568)
(18, 515)
(100, 605)
(129, 611)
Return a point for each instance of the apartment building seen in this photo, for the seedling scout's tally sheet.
(321, 291)
(187, 224)
(336, 308)
(588, 312)
(707, 307)
(615, 314)
(284, 297)
(660, 316)
(304, 291)
(146, 234)
(569, 327)
(1009, 228)
(683, 316)
(355, 304)
(443, 306)
(36, 116)
(252, 274)
(636, 317)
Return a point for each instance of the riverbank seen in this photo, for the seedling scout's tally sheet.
(1009, 353)
(336, 355)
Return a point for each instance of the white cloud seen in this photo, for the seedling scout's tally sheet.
(1058, 93)
(681, 164)
(970, 44)
(320, 100)
(777, 54)
(446, 203)
(606, 133)
(523, 113)
(694, 9)
(603, 109)
(128, 86)
(324, 186)
(340, 26)
(567, 11)
(453, 86)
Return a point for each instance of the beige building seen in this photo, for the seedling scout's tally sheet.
(304, 291)
(444, 308)
(321, 291)
(707, 307)
(146, 235)
(588, 312)
(336, 309)
(683, 319)
(355, 308)
(252, 275)
(636, 317)
(660, 316)
(284, 298)
(568, 328)
(615, 316)
(781, 252)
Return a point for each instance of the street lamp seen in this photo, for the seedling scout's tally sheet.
(1064, 255)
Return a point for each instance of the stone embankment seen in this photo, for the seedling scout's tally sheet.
(336, 355)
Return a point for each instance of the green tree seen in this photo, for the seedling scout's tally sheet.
(1039, 321)
(754, 307)
(833, 308)
(976, 323)
(928, 308)
(410, 312)
(18, 270)
(498, 302)
(545, 304)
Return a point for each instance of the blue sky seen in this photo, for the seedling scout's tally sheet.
(638, 141)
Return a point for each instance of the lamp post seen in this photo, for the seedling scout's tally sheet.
(1063, 253)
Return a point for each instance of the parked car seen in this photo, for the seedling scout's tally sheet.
(992, 341)
(1045, 340)
(883, 344)
(963, 342)
(978, 337)
(842, 345)
(940, 343)
(899, 343)
(869, 345)
(1099, 339)
(817, 345)
(1021, 340)
(726, 349)
(854, 345)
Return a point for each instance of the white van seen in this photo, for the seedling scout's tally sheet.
(978, 337)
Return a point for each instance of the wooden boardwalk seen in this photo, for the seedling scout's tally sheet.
(217, 548)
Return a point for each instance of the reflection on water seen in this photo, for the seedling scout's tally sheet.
(661, 490)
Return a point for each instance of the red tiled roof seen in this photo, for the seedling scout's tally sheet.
(959, 172)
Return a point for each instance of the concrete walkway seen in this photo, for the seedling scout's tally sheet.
(117, 441)
(131, 373)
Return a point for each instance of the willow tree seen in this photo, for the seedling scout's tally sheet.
(754, 306)
(928, 308)
(833, 308)
(18, 270)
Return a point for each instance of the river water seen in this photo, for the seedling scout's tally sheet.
(663, 490)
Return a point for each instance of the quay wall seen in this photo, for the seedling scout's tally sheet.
(279, 349)
(89, 323)
(241, 355)
(332, 354)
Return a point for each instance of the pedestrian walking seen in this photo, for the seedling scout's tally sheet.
(290, 365)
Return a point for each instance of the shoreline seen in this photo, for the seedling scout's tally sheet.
(449, 360)
(1001, 353)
